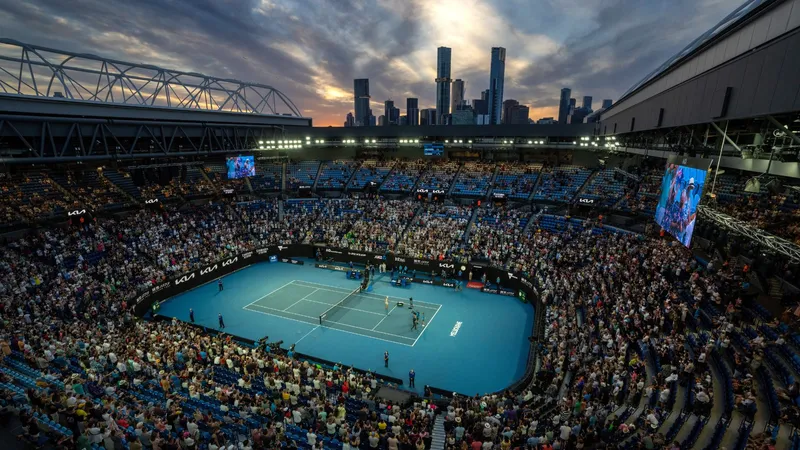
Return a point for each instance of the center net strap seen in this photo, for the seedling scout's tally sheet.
(324, 315)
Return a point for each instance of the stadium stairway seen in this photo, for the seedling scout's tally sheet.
(109, 181)
(490, 190)
(316, 177)
(247, 183)
(438, 436)
(353, 175)
(419, 178)
(469, 224)
(775, 288)
(283, 182)
(586, 184)
(536, 186)
(453, 180)
(388, 175)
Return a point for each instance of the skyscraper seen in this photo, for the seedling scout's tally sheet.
(587, 102)
(496, 80)
(442, 83)
(563, 105)
(412, 110)
(350, 121)
(485, 95)
(519, 115)
(388, 112)
(427, 116)
(508, 105)
(458, 94)
(361, 100)
(607, 103)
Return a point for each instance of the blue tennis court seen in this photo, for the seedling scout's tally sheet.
(471, 342)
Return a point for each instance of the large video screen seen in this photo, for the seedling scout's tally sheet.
(434, 149)
(681, 192)
(241, 166)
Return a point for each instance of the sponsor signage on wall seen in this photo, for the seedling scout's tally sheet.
(586, 201)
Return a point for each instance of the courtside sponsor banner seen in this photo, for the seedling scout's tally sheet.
(332, 267)
(455, 329)
(501, 291)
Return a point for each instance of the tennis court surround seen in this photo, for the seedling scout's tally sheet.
(363, 314)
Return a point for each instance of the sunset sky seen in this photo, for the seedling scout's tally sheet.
(312, 50)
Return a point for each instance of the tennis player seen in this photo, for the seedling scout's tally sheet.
(386, 305)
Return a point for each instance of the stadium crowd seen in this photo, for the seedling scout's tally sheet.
(644, 347)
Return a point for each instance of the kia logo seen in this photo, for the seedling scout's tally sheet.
(588, 201)
(151, 201)
(185, 278)
(446, 266)
(76, 212)
(228, 262)
(207, 270)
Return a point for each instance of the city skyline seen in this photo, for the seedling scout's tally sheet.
(312, 52)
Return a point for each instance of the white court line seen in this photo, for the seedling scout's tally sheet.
(276, 290)
(387, 315)
(304, 298)
(378, 296)
(343, 307)
(426, 327)
(304, 336)
(334, 329)
(342, 324)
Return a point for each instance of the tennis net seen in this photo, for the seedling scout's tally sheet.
(337, 307)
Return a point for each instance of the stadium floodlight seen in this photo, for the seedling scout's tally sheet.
(417, 141)
(470, 141)
(530, 142)
(261, 147)
(373, 141)
(446, 141)
(260, 142)
(322, 141)
(308, 137)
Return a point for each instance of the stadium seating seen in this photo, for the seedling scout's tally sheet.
(516, 180)
(606, 187)
(268, 178)
(561, 183)
(641, 342)
(301, 173)
(403, 177)
(371, 171)
(473, 180)
(335, 174)
(439, 175)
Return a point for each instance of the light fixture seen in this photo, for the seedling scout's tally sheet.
(261, 142)
(573, 142)
(322, 141)
(446, 141)
(530, 142)
(417, 141)
(261, 147)
(470, 141)
(373, 141)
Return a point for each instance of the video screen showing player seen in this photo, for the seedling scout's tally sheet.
(241, 166)
(681, 192)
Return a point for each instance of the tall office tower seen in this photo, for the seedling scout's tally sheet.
(350, 121)
(427, 116)
(563, 105)
(496, 80)
(394, 116)
(572, 103)
(361, 99)
(607, 103)
(485, 95)
(387, 111)
(480, 106)
(372, 119)
(458, 94)
(412, 110)
(404, 120)
(518, 115)
(508, 105)
(442, 84)
(587, 102)
(381, 120)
